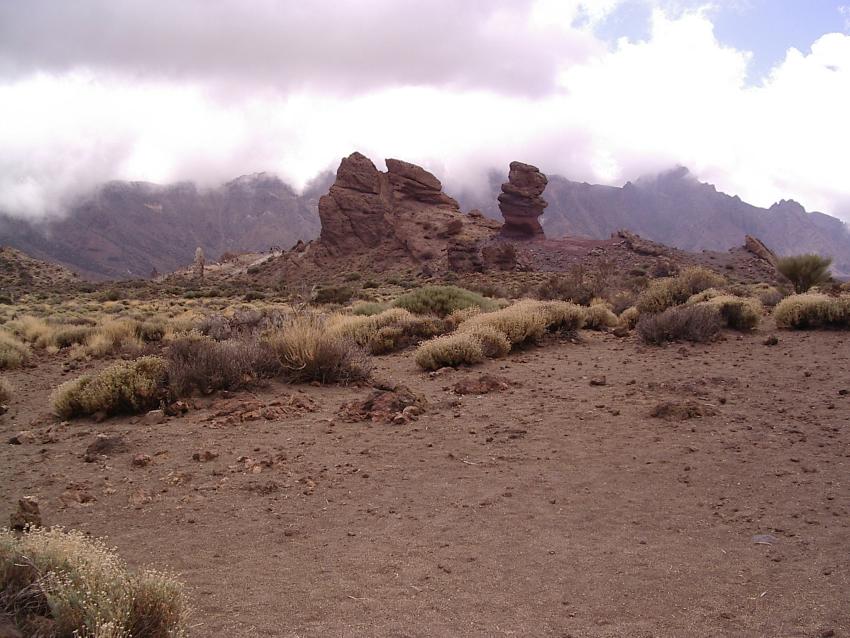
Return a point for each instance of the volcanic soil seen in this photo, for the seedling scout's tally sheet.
(556, 505)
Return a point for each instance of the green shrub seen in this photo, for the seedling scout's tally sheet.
(368, 308)
(308, 351)
(699, 322)
(85, 589)
(811, 310)
(71, 335)
(442, 300)
(805, 271)
(13, 353)
(124, 387)
(333, 294)
(450, 350)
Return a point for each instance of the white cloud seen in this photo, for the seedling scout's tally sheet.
(594, 113)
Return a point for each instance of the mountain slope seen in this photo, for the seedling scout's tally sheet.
(128, 229)
(674, 208)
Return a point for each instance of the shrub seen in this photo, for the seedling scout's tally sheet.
(699, 323)
(124, 387)
(13, 353)
(705, 295)
(362, 328)
(599, 316)
(405, 333)
(672, 291)
(333, 294)
(812, 310)
(68, 336)
(450, 350)
(738, 313)
(494, 343)
(562, 316)
(629, 317)
(5, 392)
(442, 300)
(621, 301)
(696, 279)
(117, 335)
(521, 323)
(579, 284)
(805, 271)
(308, 351)
(85, 588)
(200, 363)
(368, 308)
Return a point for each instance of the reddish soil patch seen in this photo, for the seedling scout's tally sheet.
(555, 508)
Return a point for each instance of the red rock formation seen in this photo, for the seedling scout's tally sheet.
(521, 203)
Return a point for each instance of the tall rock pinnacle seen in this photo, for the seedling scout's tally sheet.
(521, 203)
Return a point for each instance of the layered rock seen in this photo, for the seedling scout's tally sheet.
(758, 248)
(521, 203)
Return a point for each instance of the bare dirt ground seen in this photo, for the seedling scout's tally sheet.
(552, 508)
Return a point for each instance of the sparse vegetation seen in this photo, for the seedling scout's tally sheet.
(738, 313)
(599, 316)
(85, 589)
(333, 295)
(450, 350)
(813, 310)
(124, 387)
(6, 392)
(442, 300)
(805, 271)
(13, 353)
(673, 291)
(700, 323)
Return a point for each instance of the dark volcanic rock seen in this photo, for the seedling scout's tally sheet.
(521, 203)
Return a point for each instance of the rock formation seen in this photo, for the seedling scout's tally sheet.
(27, 514)
(521, 203)
(757, 247)
(198, 264)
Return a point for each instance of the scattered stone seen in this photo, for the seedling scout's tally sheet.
(27, 514)
(764, 539)
(141, 460)
(104, 445)
(484, 384)
(155, 417)
(682, 410)
(205, 456)
(383, 405)
(24, 437)
(600, 380)
(772, 340)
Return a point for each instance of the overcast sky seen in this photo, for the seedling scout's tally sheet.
(752, 95)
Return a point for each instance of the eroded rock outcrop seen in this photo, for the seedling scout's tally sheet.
(521, 203)
(757, 247)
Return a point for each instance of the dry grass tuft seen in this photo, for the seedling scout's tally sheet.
(813, 310)
(522, 323)
(673, 291)
(124, 387)
(738, 313)
(599, 316)
(629, 317)
(85, 588)
(700, 322)
(13, 353)
(450, 350)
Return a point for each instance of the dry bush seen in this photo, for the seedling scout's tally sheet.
(494, 343)
(450, 350)
(521, 323)
(85, 589)
(308, 351)
(598, 317)
(333, 295)
(124, 387)
(203, 364)
(562, 316)
(699, 323)
(405, 333)
(629, 317)
(31, 329)
(813, 310)
(442, 300)
(13, 353)
(706, 295)
(6, 392)
(622, 300)
(738, 313)
(68, 336)
(673, 291)
(805, 271)
(368, 308)
(768, 295)
(579, 284)
(113, 337)
(361, 328)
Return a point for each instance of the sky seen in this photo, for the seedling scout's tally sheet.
(751, 95)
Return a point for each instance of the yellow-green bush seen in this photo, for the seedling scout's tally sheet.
(561, 316)
(523, 322)
(813, 310)
(387, 331)
(805, 271)
(738, 313)
(442, 300)
(696, 279)
(450, 350)
(706, 295)
(13, 353)
(599, 316)
(629, 317)
(85, 589)
(672, 291)
(124, 387)
(308, 351)
(494, 342)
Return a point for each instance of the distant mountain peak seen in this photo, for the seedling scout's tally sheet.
(787, 206)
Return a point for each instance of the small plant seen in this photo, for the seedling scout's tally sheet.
(673, 291)
(442, 300)
(805, 271)
(368, 308)
(85, 589)
(450, 350)
(811, 310)
(5, 392)
(333, 294)
(124, 387)
(738, 313)
(599, 316)
(308, 351)
(579, 284)
(13, 353)
(698, 323)
(629, 317)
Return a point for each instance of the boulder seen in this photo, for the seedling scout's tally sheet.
(27, 514)
(757, 247)
(521, 203)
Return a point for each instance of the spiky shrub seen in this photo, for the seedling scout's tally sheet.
(598, 317)
(333, 294)
(200, 363)
(442, 300)
(698, 323)
(124, 387)
(696, 279)
(811, 310)
(362, 328)
(118, 335)
(494, 342)
(85, 588)
(308, 351)
(805, 271)
(450, 350)
(403, 334)
(738, 313)
(562, 316)
(673, 291)
(13, 353)
(629, 317)
(521, 323)
(5, 392)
